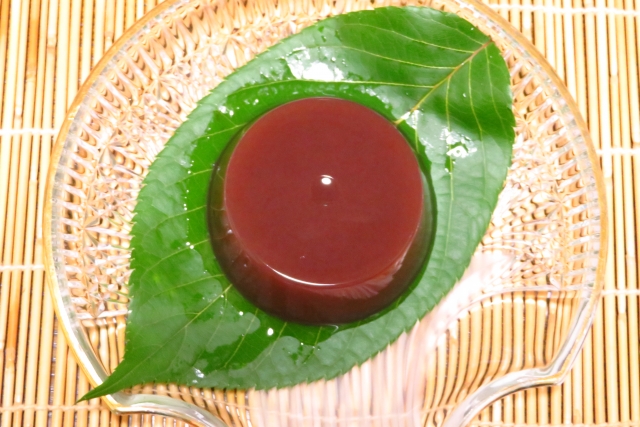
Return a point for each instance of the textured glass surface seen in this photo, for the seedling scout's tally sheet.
(524, 296)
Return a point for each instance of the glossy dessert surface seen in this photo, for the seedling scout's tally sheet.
(319, 212)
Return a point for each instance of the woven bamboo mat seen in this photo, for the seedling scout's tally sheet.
(47, 48)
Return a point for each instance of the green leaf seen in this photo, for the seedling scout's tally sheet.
(446, 86)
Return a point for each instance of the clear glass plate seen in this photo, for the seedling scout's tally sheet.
(516, 319)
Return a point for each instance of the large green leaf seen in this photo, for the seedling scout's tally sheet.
(445, 85)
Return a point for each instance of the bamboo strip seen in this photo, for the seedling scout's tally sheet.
(35, 278)
(502, 10)
(632, 28)
(624, 214)
(149, 4)
(532, 321)
(541, 394)
(452, 365)
(98, 32)
(527, 21)
(594, 353)
(74, 63)
(632, 36)
(582, 390)
(580, 66)
(4, 38)
(568, 411)
(588, 414)
(518, 352)
(5, 151)
(556, 391)
(507, 328)
(463, 351)
(130, 15)
(592, 76)
(47, 318)
(140, 9)
(608, 91)
(565, 389)
(120, 17)
(485, 339)
(29, 184)
(110, 23)
(539, 27)
(87, 33)
(62, 64)
(74, 49)
(60, 344)
(548, 393)
(515, 15)
(10, 298)
(563, 37)
(105, 418)
(496, 340)
(577, 398)
(70, 389)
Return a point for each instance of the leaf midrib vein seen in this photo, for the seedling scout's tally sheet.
(284, 326)
(153, 353)
(253, 319)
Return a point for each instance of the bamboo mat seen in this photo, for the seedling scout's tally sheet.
(47, 48)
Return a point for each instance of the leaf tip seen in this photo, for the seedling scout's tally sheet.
(91, 394)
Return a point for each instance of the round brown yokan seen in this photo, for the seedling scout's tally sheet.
(319, 212)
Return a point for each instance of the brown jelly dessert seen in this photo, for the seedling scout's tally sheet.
(319, 212)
